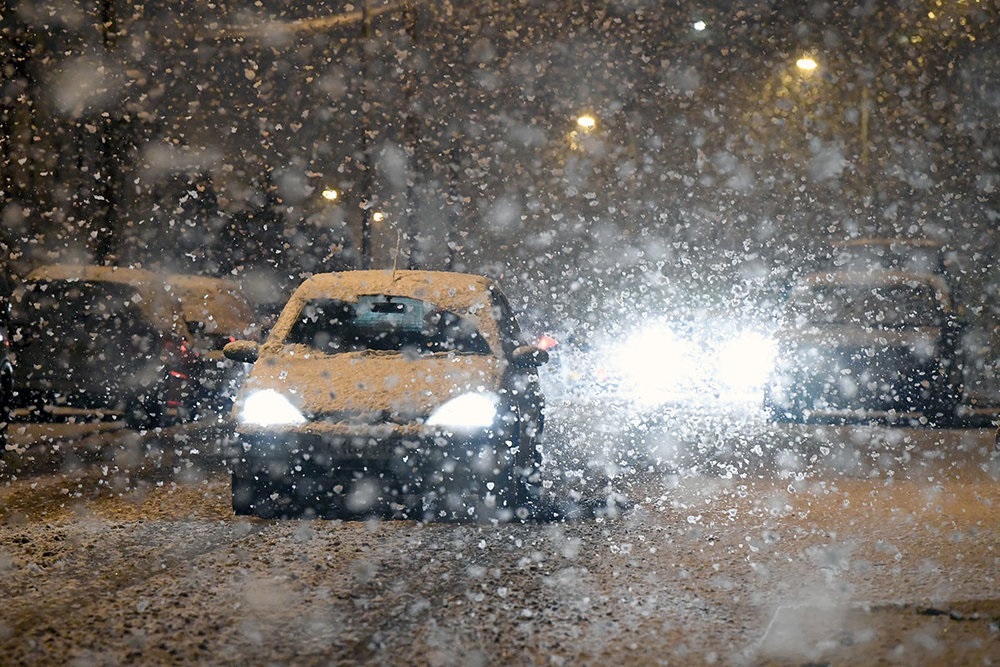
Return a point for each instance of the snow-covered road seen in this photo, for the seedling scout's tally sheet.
(106, 560)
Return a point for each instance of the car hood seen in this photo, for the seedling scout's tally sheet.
(386, 385)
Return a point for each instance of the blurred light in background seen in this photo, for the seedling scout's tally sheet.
(806, 64)
(743, 363)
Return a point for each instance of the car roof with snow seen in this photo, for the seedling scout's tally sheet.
(888, 242)
(464, 294)
(154, 298)
(455, 291)
(874, 278)
(219, 300)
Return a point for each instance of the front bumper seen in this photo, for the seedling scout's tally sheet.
(408, 454)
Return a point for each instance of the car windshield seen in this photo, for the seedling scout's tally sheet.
(885, 306)
(384, 322)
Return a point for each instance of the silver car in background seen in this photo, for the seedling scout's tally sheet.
(864, 343)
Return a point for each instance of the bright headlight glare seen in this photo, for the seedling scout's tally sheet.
(654, 363)
(745, 361)
(269, 408)
(466, 412)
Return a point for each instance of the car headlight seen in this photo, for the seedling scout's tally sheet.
(744, 362)
(467, 412)
(654, 364)
(269, 408)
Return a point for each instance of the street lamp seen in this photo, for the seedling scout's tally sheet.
(807, 64)
(330, 194)
(585, 124)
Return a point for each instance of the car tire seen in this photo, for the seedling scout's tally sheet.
(142, 415)
(522, 478)
(942, 411)
(6, 412)
(514, 496)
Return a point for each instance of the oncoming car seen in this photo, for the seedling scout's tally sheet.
(867, 342)
(402, 391)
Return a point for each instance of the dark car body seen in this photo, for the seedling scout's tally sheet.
(883, 341)
(104, 339)
(216, 313)
(407, 390)
(890, 254)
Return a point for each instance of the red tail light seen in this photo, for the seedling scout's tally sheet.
(547, 342)
(182, 358)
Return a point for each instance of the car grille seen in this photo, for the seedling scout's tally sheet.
(361, 418)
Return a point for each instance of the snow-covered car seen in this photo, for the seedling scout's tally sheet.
(884, 341)
(216, 313)
(406, 391)
(890, 254)
(104, 339)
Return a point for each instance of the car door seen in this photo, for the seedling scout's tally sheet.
(520, 381)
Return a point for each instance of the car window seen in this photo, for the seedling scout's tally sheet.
(379, 322)
(79, 311)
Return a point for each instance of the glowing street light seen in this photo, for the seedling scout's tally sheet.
(330, 194)
(806, 63)
(586, 122)
(699, 26)
(378, 216)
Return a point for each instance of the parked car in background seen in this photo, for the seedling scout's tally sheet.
(883, 341)
(105, 339)
(410, 391)
(216, 313)
(890, 254)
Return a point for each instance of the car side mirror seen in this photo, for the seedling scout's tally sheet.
(529, 356)
(245, 351)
